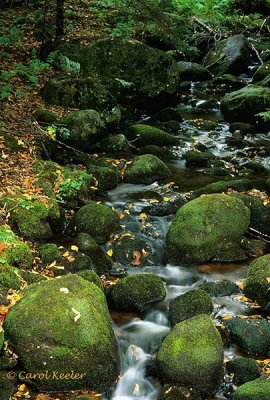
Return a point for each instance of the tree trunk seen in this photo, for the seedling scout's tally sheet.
(59, 18)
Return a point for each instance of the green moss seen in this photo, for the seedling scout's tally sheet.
(107, 177)
(204, 226)
(114, 144)
(91, 276)
(44, 116)
(16, 253)
(220, 288)
(134, 292)
(123, 251)
(9, 279)
(31, 277)
(98, 220)
(188, 305)
(160, 152)
(193, 72)
(244, 369)
(49, 253)
(257, 285)
(58, 342)
(259, 389)
(198, 158)
(262, 72)
(143, 135)
(146, 169)
(239, 185)
(192, 355)
(1, 338)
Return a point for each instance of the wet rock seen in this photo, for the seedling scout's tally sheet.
(259, 213)
(106, 177)
(98, 220)
(244, 129)
(251, 335)
(229, 56)
(188, 305)
(254, 248)
(202, 124)
(87, 245)
(125, 251)
(204, 226)
(50, 336)
(220, 288)
(193, 72)
(244, 369)
(240, 185)
(114, 144)
(85, 128)
(259, 389)
(146, 169)
(236, 141)
(192, 355)
(257, 285)
(230, 80)
(143, 135)
(209, 104)
(160, 152)
(135, 292)
(243, 105)
(167, 114)
(261, 73)
(196, 159)
(165, 208)
(169, 392)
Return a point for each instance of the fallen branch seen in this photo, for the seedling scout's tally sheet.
(259, 235)
(255, 51)
(204, 26)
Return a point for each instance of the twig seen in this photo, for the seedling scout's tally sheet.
(204, 26)
(255, 51)
(259, 235)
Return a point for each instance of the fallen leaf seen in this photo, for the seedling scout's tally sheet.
(136, 259)
(110, 252)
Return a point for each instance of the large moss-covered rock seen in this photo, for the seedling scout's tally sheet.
(240, 185)
(244, 369)
(106, 177)
(31, 216)
(192, 355)
(251, 335)
(193, 72)
(85, 127)
(259, 389)
(113, 144)
(204, 227)
(14, 251)
(257, 283)
(134, 292)
(98, 220)
(188, 305)
(143, 135)
(87, 245)
(132, 71)
(243, 105)
(63, 325)
(146, 169)
(195, 159)
(229, 56)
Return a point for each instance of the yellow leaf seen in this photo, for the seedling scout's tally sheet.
(225, 317)
(93, 188)
(20, 142)
(166, 199)
(136, 389)
(77, 314)
(110, 252)
(74, 248)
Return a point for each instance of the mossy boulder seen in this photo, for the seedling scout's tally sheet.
(262, 72)
(240, 185)
(204, 227)
(45, 116)
(164, 154)
(7, 386)
(135, 292)
(86, 127)
(196, 159)
(134, 72)
(126, 250)
(49, 252)
(192, 355)
(188, 305)
(114, 144)
(229, 80)
(9, 279)
(79, 92)
(32, 277)
(98, 220)
(14, 252)
(146, 169)
(1, 338)
(244, 369)
(259, 212)
(169, 392)
(167, 114)
(243, 105)
(92, 277)
(257, 283)
(229, 56)
(71, 330)
(254, 247)
(31, 216)
(87, 245)
(193, 72)
(220, 288)
(258, 389)
(107, 178)
(143, 135)
(251, 335)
